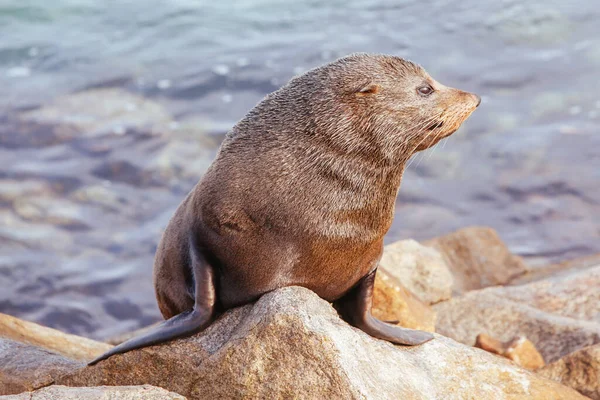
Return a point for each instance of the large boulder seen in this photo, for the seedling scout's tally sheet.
(26, 368)
(563, 268)
(559, 315)
(71, 346)
(478, 258)
(580, 370)
(392, 302)
(145, 392)
(292, 344)
(421, 269)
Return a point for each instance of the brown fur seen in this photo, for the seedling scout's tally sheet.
(303, 190)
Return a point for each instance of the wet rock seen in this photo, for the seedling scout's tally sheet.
(54, 211)
(71, 346)
(520, 350)
(103, 111)
(421, 269)
(125, 172)
(579, 370)
(100, 195)
(392, 302)
(292, 344)
(17, 132)
(559, 315)
(478, 258)
(145, 392)
(26, 368)
(13, 189)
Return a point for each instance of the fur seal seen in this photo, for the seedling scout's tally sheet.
(302, 192)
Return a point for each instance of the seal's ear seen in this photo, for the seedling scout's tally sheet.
(369, 88)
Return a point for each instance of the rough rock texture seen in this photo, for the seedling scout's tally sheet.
(145, 392)
(71, 346)
(392, 302)
(580, 370)
(520, 350)
(478, 258)
(25, 368)
(421, 269)
(118, 339)
(563, 268)
(292, 344)
(559, 315)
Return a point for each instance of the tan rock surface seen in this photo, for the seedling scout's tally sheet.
(579, 370)
(71, 346)
(25, 368)
(118, 339)
(478, 258)
(520, 350)
(292, 344)
(56, 392)
(421, 269)
(393, 302)
(559, 315)
(563, 268)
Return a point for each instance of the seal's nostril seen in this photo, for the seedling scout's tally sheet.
(478, 100)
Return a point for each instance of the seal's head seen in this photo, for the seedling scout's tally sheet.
(395, 102)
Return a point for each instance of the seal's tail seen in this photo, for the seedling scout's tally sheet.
(184, 324)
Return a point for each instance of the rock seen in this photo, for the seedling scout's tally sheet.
(292, 344)
(71, 346)
(99, 112)
(421, 269)
(120, 338)
(56, 392)
(26, 368)
(478, 258)
(574, 295)
(394, 303)
(519, 350)
(559, 315)
(565, 267)
(579, 370)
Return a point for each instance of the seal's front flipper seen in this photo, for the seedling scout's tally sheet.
(186, 323)
(355, 308)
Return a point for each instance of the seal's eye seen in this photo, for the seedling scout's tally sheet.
(425, 90)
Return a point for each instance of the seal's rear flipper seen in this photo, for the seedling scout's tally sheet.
(184, 324)
(355, 308)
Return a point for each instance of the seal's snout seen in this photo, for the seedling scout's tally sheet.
(472, 98)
